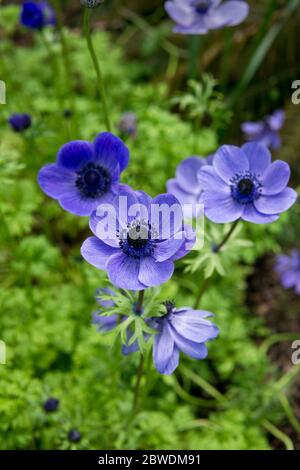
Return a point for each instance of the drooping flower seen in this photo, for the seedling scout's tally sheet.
(85, 174)
(288, 266)
(182, 329)
(127, 124)
(20, 122)
(243, 183)
(266, 132)
(142, 250)
(200, 16)
(108, 323)
(185, 186)
(37, 15)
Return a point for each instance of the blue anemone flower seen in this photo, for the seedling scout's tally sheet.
(244, 183)
(200, 16)
(266, 132)
(182, 329)
(85, 174)
(288, 267)
(37, 15)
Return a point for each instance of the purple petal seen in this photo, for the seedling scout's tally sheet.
(153, 273)
(229, 161)
(253, 129)
(186, 174)
(276, 204)
(123, 272)
(56, 182)
(182, 196)
(180, 12)
(76, 204)
(250, 214)
(209, 179)
(190, 348)
(230, 13)
(105, 303)
(259, 157)
(105, 323)
(276, 120)
(199, 331)
(165, 354)
(166, 215)
(220, 207)
(276, 178)
(110, 151)
(165, 250)
(97, 253)
(100, 225)
(76, 154)
(198, 27)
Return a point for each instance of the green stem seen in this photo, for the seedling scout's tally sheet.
(194, 48)
(217, 249)
(227, 236)
(101, 87)
(139, 305)
(136, 396)
(278, 434)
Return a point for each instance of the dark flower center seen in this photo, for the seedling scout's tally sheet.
(170, 305)
(138, 239)
(245, 188)
(202, 6)
(93, 181)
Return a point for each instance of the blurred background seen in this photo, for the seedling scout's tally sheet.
(246, 395)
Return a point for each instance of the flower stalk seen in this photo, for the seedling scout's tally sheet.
(100, 80)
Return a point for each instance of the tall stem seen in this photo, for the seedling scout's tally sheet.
(217, 248)
(194, 48)
(101, 87)
(136, 396)
(227, 236)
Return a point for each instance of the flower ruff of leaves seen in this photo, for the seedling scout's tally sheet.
(183, 330)
(85, 174)
(37, 15)
(288, 267)
(243, 183)
(138, 243)
(200, 16)
(266, 132)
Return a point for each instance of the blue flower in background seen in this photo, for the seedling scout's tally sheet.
(85, 175)
(186, 186)
(127, 124)
(200, 16)
(243, 183)
(37, 15)
(20, 122)
(289, 269)
(266, 132)
(183, 330)
(139, 255)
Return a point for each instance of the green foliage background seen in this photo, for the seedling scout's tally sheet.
(229, 401)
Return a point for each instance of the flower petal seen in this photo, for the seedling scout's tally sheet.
(168, 248)
(152, 273)
(276, 204)
(166, 215)
(259, 157)
(209, 179)
(165, 354)
(253, 129)
(199, 331)
(55, 181)
(250, 214)
(220, 207)
(230, 13)
(123, 272)
(186, 174)
(75, 155)
(76, 204)
(229, 161)
(190, 348)
(180, 12)
(110, 151)
(276, 178)
(95, 252)
(276, 120)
